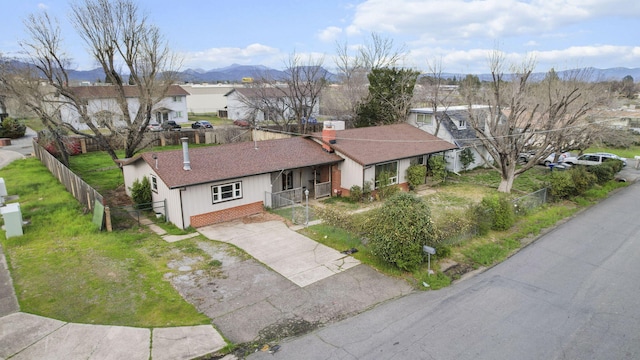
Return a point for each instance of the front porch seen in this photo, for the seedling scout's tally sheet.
(290, 186)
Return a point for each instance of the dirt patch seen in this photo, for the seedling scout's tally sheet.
(456, 271)
(117, 197)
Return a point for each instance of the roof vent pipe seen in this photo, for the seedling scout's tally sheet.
(185, 153)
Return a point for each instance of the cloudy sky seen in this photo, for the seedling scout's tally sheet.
(210, 34)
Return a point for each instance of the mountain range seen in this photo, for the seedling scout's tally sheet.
(235, 73)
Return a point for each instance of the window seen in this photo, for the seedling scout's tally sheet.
(418, 160)
(154, 183)
(462, 124)
(178, 115)
(287, 180)
(177, 99)
(424, 119)
(226, 192)
(390, 168)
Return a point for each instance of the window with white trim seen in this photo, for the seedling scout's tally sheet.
(154, 184)
(177, 114)
(226, 192)
(177, 99)
(390, 168)
(424, 119)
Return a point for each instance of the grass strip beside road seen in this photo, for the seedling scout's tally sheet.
(63, 267)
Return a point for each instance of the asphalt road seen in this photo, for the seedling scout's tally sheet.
(572, 294)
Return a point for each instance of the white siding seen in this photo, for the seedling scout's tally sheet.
(350, 172)
(403, 165)
(207, 98)
(70, 115)
(198, 200)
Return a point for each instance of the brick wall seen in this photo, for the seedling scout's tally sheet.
(216, 217)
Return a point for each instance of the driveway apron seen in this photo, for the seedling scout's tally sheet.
(294, 256)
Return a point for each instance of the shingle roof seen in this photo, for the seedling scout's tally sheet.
(377, 144)
(109, 91)
(231, 161)
(465, 136)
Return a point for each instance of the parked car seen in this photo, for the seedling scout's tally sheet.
(592, 159)
(613, 156)
(201, 125)
(171, 125)
(154, 126)
(551, 159)
(242, 123)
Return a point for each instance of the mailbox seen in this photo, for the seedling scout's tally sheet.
(429, 250)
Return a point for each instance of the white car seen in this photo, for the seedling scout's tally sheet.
(593, 159)
(613, 156)
(551, 159)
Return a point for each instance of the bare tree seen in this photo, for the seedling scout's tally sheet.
(35, 97)
(294, 96)
(522, 114)
(120, 40)
(432, 92)
(353, 69)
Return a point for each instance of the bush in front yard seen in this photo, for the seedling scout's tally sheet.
(355, 193)
(416, 175)
(499, 211)
(398, 230)
(603, 173)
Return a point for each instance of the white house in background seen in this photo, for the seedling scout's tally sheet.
(103, 107)
(209, 98)
(454, 128)
(260, 104)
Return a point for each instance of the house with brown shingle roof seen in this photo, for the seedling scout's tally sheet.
(369, 151)
(208, 185)
(103, 107)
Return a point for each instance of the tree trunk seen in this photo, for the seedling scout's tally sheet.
(506, 182)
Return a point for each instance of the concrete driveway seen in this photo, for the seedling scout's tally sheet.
(294, 256)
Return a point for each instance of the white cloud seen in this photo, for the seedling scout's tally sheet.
(467, 19)
(253, 54)
(42, 6)
(329, 34)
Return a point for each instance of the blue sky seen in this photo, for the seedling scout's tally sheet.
(209, 34)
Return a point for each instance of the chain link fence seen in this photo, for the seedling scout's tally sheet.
(298, 213)
(525, 204)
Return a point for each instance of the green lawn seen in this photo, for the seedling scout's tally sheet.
(64, 268)
(210, 117)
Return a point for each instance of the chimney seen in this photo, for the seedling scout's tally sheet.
(185, 153)
(328, 137)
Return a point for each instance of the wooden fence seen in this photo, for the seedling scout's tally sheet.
(221, 135)
(85, 194)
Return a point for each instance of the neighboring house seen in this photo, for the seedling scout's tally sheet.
(257, 104)
(454, 128)
(369, 151)
(208, 185)
(209, 98)
(102, 106)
